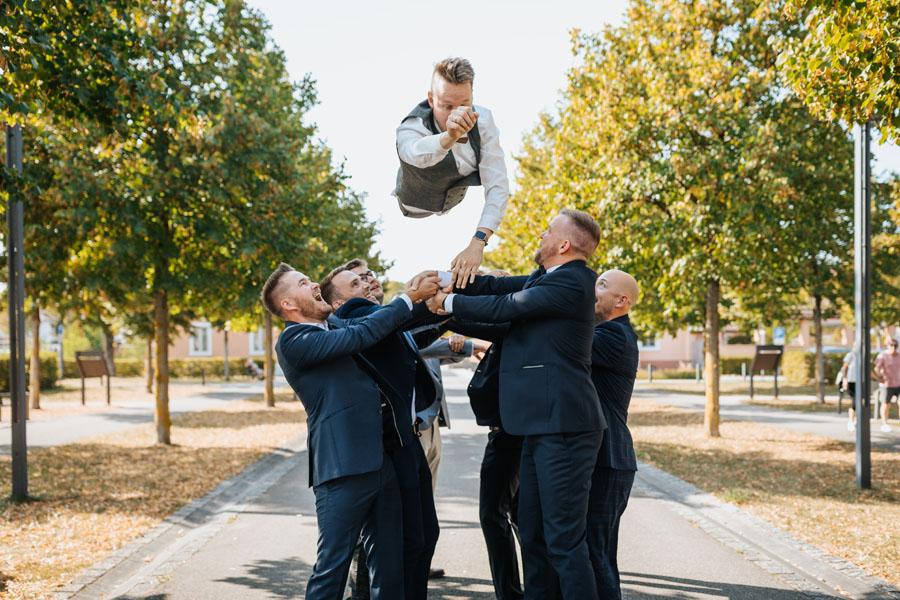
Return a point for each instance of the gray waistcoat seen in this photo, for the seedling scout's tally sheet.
(439, 187)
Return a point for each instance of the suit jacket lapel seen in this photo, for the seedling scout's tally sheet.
(535, 275)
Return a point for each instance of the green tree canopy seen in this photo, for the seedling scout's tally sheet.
(847, 64)
(677, 133)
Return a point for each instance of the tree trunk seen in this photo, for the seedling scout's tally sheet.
(162, 419)
(109, 350)
(227, 371)
(148, 362)
(270, 363)
(711, 351)
(34, 380)
(820, 356)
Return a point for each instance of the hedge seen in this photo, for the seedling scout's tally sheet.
(49, 371)
(178, 367)
(731, 365)
(214, 367)
(800, 367)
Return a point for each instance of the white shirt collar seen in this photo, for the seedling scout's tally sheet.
(551, 269)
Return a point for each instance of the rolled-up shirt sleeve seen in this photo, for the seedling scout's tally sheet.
(417, 146)
(492, 169)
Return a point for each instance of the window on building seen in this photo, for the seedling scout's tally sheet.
(257, 343)
(200, 342)
(648, 342)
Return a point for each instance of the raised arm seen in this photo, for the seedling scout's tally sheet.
(441, 349)
(492, 332)
(485, 285)
(312, 346)
(553, 298)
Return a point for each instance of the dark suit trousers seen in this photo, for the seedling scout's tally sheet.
(345, 507)
(610, 489)
(554, 485)
(498, 507)
(420, 524)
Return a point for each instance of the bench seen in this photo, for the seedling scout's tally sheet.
(92, 363)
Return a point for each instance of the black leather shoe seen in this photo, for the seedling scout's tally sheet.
(435, 573)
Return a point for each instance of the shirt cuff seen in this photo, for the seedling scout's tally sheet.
(448, 303)
(406, 299)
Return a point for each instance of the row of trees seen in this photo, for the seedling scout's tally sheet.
(717, 187)
(168, 166)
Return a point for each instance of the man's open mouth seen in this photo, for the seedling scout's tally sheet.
(318, 298)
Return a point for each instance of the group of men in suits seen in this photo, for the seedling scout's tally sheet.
(358, 375)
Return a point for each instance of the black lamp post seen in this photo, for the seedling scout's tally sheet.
(863, 274)
(16, 294)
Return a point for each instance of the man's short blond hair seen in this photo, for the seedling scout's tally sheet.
(455, 70)
(586, 234)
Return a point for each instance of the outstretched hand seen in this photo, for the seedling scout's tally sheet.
(436, 303)
(416, 280)
(425, 287)
(465, 265)
(457, 342)
(480, 348)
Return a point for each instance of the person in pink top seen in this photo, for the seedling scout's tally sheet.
(887, 368)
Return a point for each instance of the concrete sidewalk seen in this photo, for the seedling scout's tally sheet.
(826, 424)
(65, 430)
(254, 537)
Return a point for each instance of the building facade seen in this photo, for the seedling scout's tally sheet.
(206, 341)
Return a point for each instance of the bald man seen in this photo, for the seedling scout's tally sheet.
(614, 363)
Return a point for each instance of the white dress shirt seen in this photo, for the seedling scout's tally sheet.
(418, 147)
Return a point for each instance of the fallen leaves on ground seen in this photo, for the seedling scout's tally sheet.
(802, 483)
(95, 496)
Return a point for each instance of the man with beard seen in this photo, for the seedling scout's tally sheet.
(614, 363)
(350, 419)
(546, 395)
(396, 359)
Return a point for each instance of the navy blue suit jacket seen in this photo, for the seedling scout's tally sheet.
(397, 359)
(614, 364)
(545, 366)
(342, 401)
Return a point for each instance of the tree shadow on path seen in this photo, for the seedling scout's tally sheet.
(641, 586)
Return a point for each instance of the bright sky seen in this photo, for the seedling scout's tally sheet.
(373, 60)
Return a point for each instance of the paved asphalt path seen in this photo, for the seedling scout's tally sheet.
(254, 538)
(122, 415)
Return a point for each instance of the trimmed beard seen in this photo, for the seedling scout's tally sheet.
(312, 310)
(601, 315)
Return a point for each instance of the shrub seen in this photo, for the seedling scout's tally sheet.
(49, 371)
(129, 367)
(178, 367)
(800, 367)
(731, 365)
(214, 367)
(684, 373)
(676, 374)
